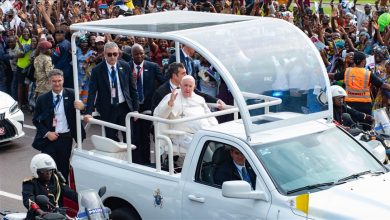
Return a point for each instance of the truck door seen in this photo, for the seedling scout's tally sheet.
(202, 194)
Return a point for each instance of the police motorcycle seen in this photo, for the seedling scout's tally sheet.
(90, 208)
(371, 139)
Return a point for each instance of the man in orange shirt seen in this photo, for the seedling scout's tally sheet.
(357, 84)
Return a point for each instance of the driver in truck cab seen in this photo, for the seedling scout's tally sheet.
(46, 181)
(235, 168)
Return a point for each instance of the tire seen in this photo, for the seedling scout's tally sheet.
(124, 214)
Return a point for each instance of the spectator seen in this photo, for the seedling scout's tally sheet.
(209, 79)
(159, 52)
(83, 52)
(13, 51)
(43, 66)
(5, 73)
(382, 97)
(62, 57)
(22, 63)
(362, 16)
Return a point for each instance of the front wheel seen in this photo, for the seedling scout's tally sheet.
(124, 214)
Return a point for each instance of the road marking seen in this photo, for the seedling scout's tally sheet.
(29, 126)
(10, 195)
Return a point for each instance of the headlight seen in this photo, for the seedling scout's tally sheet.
(14, 108)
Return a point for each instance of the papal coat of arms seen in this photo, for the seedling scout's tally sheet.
(158, 199)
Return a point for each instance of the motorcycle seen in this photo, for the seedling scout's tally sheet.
(373, 141)
(90, 207)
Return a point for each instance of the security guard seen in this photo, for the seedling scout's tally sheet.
(45, 181)
(357, 84)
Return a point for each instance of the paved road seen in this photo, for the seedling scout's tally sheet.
(15, 160)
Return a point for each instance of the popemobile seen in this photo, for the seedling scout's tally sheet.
(301, 164)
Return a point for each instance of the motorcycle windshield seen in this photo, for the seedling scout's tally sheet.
(91, 206)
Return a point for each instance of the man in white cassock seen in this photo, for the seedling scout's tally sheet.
(182, 103)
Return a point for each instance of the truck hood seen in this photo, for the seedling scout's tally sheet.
(365, 198)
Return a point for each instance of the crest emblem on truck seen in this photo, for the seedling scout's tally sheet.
(158, 199)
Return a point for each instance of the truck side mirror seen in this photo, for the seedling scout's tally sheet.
(240, 189)
(102, 191)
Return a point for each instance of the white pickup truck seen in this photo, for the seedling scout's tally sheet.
(274, 74)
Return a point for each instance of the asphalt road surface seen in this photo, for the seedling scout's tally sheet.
(15, 157)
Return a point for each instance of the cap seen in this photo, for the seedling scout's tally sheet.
(100, 39)
(44, 45)
(383, 21)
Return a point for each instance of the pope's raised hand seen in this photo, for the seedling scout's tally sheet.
(171, 101)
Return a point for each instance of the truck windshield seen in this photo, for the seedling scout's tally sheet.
(317, 160)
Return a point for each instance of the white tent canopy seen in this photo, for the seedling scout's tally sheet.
(260, 59)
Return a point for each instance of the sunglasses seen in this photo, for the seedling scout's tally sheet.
(112, 54)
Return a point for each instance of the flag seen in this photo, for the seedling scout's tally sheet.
(302, 203)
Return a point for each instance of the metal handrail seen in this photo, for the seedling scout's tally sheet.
(228, 110)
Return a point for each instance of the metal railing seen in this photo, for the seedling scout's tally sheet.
(269, 101)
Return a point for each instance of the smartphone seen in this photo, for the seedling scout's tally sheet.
(6, 25)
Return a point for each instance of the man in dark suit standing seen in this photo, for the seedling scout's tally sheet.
(147, 76)
(116, 90)
(236, 168)
(176, 73)
(186, 55)
(55, 120)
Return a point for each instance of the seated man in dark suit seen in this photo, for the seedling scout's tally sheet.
(235, 168)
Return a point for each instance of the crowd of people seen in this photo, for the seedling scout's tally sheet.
(36, 39)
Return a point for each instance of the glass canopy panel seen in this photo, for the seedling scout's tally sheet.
(268, 57)
(165, 21)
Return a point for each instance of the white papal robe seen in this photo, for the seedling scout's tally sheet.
(185, 107)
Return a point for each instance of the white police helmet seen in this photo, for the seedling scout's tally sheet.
(338, 91)
(42, 162)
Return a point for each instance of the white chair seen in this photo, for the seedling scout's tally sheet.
(164, 129)
(111, 148)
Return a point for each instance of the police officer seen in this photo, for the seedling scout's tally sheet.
(339, 107)
(46, 181)
(357, 84)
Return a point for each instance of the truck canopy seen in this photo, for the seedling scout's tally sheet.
(268, 64)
